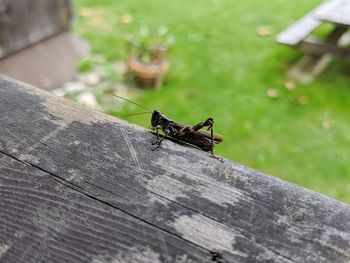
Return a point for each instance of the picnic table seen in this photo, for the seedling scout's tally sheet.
(319, 52)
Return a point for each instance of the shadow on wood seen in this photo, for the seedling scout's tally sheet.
(79, 186)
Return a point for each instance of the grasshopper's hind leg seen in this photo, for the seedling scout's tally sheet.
(207, 123)
(210, 127)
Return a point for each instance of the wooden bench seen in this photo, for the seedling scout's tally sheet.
(80, 186)
(319, 53)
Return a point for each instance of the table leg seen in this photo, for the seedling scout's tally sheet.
(310, 66)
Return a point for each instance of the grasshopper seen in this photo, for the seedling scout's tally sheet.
(193, 135)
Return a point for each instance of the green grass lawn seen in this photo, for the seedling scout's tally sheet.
(222, 68)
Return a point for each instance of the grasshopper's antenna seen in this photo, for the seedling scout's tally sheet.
(150, 111)
(133, 114)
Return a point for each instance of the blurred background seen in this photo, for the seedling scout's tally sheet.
(211, 58)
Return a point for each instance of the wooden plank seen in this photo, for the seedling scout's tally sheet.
(225, 210)
(298, 31)
(335, 11)
(24, 22)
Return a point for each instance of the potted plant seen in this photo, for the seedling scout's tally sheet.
(148, 55)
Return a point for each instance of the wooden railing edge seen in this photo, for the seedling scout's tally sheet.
(209, 211)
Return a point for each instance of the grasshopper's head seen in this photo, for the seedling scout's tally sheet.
(156, 115)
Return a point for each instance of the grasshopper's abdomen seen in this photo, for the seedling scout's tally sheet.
(202, 142)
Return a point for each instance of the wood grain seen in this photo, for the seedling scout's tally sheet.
(80, 186)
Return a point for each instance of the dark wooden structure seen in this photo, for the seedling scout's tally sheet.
(79, 186)
(319, 52)
(34, 40)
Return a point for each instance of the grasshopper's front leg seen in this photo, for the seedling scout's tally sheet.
(157, 143)
(159, 140)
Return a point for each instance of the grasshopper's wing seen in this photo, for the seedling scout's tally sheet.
(217, 138)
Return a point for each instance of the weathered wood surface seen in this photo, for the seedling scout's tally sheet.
(335, 11)
(80, 186)
(24, 22)
(297, 32)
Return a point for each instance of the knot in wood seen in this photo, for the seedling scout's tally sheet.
(298, 216)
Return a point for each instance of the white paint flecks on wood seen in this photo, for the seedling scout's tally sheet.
(202, 230)
(135, 254)
(3, 249)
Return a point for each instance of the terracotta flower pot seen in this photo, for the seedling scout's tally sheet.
(149, 74)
